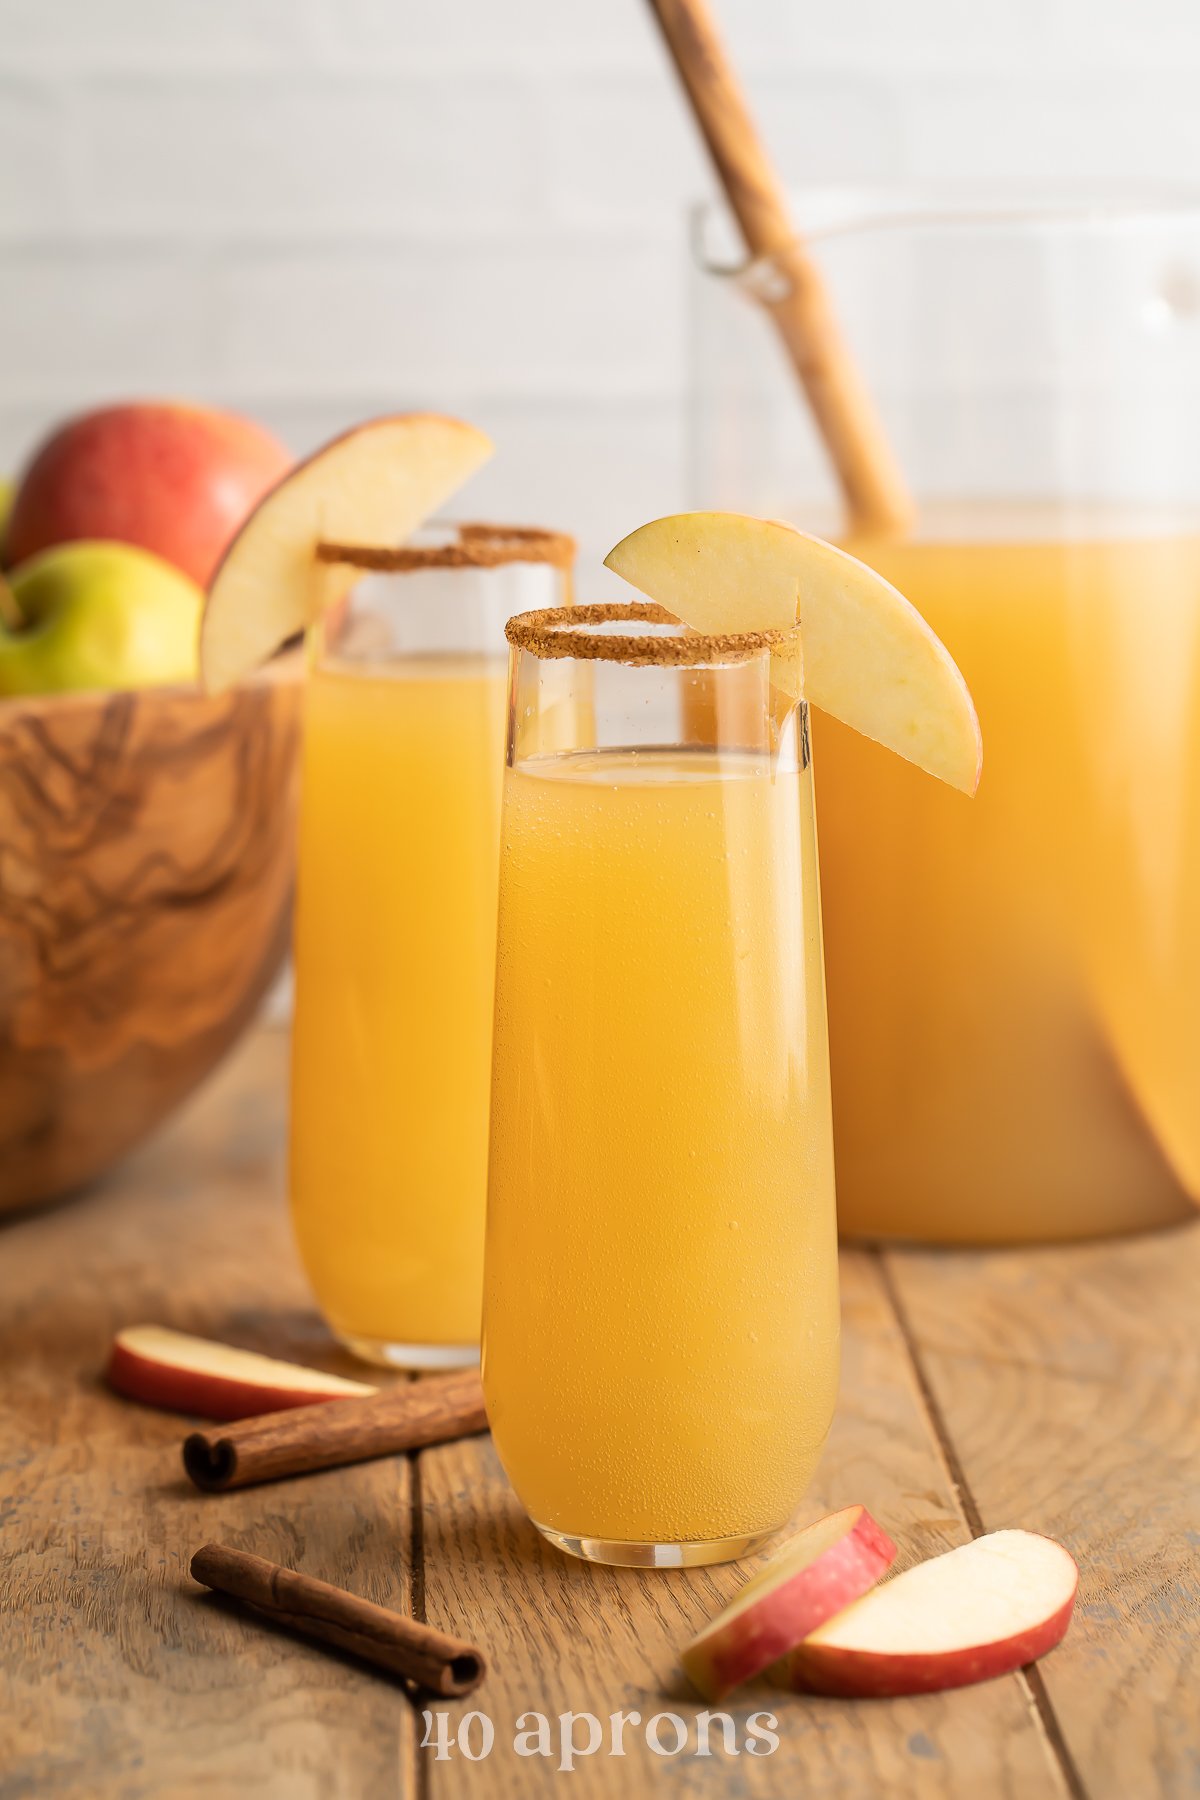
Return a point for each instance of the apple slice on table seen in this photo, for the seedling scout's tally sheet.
(870, 659)
(815, 1575)
(373, 485)
(985, 1609)
(195, 1375)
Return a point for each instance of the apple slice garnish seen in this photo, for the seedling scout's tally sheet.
(195, 1375)
(985, 1609)
(815, 1575)
(373, 485)
(870, 659)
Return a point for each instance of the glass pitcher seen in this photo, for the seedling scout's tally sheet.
(1014, 984)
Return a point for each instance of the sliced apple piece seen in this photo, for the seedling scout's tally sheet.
(373, 485)
(985, 1609)
(195, 1375)
(815, 1575)
(870, 659)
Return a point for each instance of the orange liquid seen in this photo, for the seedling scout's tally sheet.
(661, 1312)
(996, 1048)
(395, 959)
(1135, 641)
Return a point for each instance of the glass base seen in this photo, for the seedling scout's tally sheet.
(623, 1555)
(387, 1355)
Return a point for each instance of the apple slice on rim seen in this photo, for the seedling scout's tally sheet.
(181, 1373)
(819, 1571)
(870, 659)
(373, 485)
(985, 1609)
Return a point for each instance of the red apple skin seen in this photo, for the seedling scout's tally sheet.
(755, 1639)
(177, 1389)
(867, 1675)
(174, 478)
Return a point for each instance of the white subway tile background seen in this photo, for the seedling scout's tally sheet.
(318, 209)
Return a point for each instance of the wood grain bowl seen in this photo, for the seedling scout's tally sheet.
(147, 856)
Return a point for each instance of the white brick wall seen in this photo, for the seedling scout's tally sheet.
(318, 208)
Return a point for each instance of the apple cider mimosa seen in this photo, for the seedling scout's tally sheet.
(661, 1317)
(395, 955)
(395, 944)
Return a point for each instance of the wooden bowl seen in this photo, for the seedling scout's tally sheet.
(147, 852)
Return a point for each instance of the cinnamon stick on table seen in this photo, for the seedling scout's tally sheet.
(433, 1410)
(403, 1646)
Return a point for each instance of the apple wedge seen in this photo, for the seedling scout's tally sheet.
(985, 1609)
(194, 1375)
(815, 1575)
(373, 485)
(870, 659)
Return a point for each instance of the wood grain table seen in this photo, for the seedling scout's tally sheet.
(1055, 1389)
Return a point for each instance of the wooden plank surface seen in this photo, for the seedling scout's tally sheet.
(567, 1637)
(117, 1677)
(1068, 1382)
(1058, 1390)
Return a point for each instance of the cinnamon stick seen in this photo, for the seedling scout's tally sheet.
(428, 1658)
(874, 488)
(433, 1410)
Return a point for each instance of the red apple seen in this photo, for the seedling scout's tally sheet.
(194, 1375)
(816, 1573)
(175, 479)
(985, 1609)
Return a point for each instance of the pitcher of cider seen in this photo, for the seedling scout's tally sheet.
(1014, 984)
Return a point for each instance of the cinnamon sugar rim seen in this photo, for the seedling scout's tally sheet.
(475, 546)
(555, 631)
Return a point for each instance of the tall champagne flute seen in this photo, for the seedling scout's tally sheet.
(396, 935)
(660, 1290)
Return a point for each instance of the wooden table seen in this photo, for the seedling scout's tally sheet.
(1053, 1389)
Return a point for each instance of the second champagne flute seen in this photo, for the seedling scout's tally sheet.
(396, 932)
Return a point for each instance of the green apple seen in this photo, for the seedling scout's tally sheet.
(98, 615)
